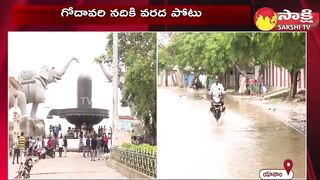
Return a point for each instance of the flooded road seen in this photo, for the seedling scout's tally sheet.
(192, 145)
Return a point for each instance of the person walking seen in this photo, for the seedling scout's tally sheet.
(250, 88)
(243, 82)
(43, 144)
(102, 141)
(65, 146)
(106, 141)
(84, 142)
(31, 145)
(98, 154)
(104, 130)
(60, 142)
(16, 151)
(260, 82)
(56, 132)
(88, 144)
(38, 144)
(26, 146)
(93, 148)
(50, 143)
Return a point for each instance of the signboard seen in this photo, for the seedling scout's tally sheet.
(125, 125)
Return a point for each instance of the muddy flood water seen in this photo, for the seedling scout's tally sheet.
(247, 139)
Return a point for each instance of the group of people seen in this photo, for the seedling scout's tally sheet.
(63, 144)
(95, 146)
(55, 130)
(27, 146)
(247, 85)
(19, 147)
(102, 131)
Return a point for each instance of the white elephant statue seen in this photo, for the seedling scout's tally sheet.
(109, 76)
(34, 86)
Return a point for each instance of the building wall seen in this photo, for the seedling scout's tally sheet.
(280, 77)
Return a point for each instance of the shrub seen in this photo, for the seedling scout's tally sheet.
(141, 147)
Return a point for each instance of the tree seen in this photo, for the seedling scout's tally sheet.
(215, 53)
(201, 53)
(240, 50)
(165, 62)
(137, 54)
(288, 51)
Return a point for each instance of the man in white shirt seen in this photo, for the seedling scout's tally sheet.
(38, 144)
(84, 141)
(217, 87)
(60, 142)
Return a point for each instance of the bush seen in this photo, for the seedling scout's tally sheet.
(141, 147)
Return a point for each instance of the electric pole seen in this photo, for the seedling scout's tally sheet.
(115, 119)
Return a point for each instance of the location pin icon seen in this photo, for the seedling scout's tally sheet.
(288, 164)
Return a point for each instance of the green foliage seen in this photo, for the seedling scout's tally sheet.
(137, 64)
(288, 50)
(215, 53)
(141, 147)
(165, 59)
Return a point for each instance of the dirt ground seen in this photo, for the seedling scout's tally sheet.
(290, 112)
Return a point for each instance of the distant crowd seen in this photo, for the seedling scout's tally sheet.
(94, 144)
(29, 146)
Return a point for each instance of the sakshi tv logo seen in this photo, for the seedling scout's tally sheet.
(266, 19)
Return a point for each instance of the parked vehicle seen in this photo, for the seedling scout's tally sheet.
(40, 152)
(50, 152)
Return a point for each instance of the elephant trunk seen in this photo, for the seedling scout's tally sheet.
(109, 76)
(60, 73)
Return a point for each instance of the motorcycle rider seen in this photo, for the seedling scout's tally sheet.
(38, 145)
(217, 87)
(50, 143)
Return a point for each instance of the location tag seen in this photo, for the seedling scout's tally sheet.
(288, 164)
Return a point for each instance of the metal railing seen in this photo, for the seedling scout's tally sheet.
(142, 161)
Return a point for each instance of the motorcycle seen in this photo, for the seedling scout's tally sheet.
(24, 169)
(40, 152)
(216, 106)
(50, 152)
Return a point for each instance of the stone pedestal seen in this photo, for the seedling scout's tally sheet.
(32, 127)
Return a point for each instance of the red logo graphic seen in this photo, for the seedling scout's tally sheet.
(266, 19)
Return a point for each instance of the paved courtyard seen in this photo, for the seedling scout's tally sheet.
(72, 166)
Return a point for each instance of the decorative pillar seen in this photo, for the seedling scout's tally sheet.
(16, 121)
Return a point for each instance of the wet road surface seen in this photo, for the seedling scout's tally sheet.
(192, 145)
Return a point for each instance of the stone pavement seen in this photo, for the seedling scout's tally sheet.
(72, 166)
(13, 168)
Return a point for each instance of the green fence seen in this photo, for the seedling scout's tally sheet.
(142, 161)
